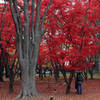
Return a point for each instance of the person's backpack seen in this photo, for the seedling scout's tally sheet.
(80, 78)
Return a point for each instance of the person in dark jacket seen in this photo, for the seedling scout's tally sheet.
(79, 81)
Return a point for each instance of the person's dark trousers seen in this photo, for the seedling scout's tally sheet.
(79, 88)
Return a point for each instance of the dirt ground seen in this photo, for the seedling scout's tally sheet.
(91, 90)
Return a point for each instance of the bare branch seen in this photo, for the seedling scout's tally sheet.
(37, 16)
(22, 9)
(3, 18)
(26, 28)
(18, 28)
(41, 30)
(13, 13)
(32, 20)
(98, 1)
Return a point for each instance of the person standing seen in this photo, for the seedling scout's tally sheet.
(79, 81)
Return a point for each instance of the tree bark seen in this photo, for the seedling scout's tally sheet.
(68, 89)
(63, 71)
(56, 74)
(7, 76)
(44, 72)
(69, 84)
(1, 71)
(11, 85)
(91, 72)
(85, 73)
(28, 48)
(99, 66)
(28, 87)
(40, 72)
(51, 72)
(99, 53)
(1, 74)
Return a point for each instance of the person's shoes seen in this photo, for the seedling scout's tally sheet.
(77, 93)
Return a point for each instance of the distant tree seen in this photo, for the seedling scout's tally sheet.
(8, 45)
(3, 10)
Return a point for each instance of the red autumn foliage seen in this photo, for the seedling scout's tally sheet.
(67, 23)
(74, 25)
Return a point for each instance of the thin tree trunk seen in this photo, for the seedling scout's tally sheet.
(7, 76)
(63, 71)
(11, 85)
(1, 72)
(85, 73)
(56, 75)
(91, 72)
(44, 72)
(99, 59)
(99, 54)
(51, 72)
(69, 84)
(99, 66)
(40, 72)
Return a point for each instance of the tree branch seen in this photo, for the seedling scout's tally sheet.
(42, 30)
(37, 17)
(26, 28)
(14, 11)
(3, 18)
(32, 20)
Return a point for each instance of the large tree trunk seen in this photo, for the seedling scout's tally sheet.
(28, 87)
(28, 43)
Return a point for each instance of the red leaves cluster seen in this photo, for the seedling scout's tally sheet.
(71, 32)
(73, 25)
(7, 34)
